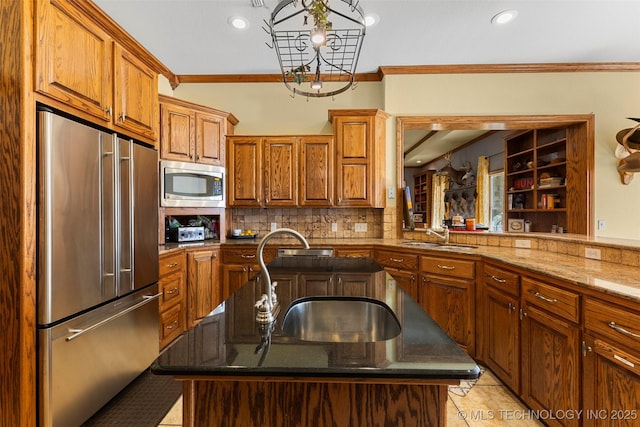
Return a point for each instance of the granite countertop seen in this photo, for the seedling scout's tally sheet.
(601, 276)
(229, 342)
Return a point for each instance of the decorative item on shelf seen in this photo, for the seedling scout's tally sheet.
(628, 152)
(518, 201)
(317, 42)
(515, 225)
(461, 176)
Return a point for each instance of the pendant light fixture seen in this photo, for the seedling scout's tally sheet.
(317, 43)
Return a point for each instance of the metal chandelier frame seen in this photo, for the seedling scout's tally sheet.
(310, 69)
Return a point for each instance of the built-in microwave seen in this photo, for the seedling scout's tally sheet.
(191, 185)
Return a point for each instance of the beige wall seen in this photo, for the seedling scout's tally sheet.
(269, 109)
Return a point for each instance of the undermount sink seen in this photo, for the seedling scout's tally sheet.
(421, 244)
(340, 319)
(459, 247)
(437, 245)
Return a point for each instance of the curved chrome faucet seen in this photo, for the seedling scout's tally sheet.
(444, 236)
(268, 304)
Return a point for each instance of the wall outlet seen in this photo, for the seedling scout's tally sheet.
(592, 253)
(334, 227)
(523, 243)
(601, 224)
(274, 226)
(391, 193)
(361, 227)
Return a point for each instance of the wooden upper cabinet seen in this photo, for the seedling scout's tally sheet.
(316, 171)
(360, 157)
(210, 134)
(85, 72)
(192, 132)
(135, 95)
(73, 60)
(244, 171)
(177, 133)
(280, 169)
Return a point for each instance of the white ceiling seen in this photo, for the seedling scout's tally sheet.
(193, 37)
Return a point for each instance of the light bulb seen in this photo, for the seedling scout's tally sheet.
(318, 36)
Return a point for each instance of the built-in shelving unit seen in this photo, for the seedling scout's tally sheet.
(422, 196)
(546, 180)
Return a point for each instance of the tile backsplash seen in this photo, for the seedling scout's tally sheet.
(313, 223)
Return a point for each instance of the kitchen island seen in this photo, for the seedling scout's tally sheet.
(238, 372)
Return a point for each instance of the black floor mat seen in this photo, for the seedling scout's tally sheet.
(144, 402)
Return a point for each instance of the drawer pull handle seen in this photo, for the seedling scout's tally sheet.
(512, 308)
(245, 256)
(623, 360)
(172, 265)
(543, 298)
(617, 328)
(173, 325)
(446, 267)
(397, 259)
(172, 291)
(497, 279)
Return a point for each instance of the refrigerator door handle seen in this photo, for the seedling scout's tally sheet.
(145, 300)
(108, 218)
(126, 215)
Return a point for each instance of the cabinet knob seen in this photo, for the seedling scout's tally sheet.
(123, 117)
(108, 111)
(172, 265)
(586, 349)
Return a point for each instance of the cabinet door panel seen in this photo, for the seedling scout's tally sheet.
(612, 385)
(73, 60)
(355, 139)
(280, 172)
(550, 364)
(135, 95)
(354, 184)
(176, 136)
(244, 176)
(209, 139)
(449, 302)
(202, 284)
(502, 340)
(316, 171)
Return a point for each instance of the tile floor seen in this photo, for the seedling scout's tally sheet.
(487, 404)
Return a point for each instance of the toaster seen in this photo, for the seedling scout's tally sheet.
(186, 234)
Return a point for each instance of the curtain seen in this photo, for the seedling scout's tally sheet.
(437, 200)
(483, 199)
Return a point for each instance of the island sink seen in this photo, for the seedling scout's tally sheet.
(340, 319)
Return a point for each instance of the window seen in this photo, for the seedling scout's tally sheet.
(496, 189)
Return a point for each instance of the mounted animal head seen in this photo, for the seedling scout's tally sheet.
(459, 176)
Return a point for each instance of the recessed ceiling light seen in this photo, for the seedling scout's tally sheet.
(371, 19)
(238, 22)
(418, 161)
(504, 17)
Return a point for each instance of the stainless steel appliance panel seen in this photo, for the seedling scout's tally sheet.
(70, 212)
(87, 360)
(191, 185)
(145, 212)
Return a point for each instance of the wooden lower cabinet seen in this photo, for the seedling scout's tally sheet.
(172, 267)
(203, 284)
(611, 361)
(550, 351)
(447, 292)
(501, 325)
(403, 267)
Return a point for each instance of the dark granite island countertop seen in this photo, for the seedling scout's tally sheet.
(228, 352)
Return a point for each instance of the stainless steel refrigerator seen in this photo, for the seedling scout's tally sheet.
(97, 308)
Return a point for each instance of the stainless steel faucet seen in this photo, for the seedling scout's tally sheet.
(268, 305)
(444, 236)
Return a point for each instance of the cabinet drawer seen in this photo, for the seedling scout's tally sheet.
(171, 324)
(500, 279)
(172, 262)
(172, 288)
(247, 255)
(399, 260)
(563, 303)
(613, 323)
(353, 252)
(448, 267)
